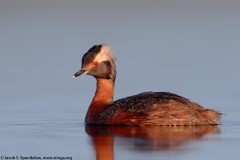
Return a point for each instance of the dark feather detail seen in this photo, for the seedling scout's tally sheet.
(144, 103)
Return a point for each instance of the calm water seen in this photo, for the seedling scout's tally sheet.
(187, 47)
(63, 135)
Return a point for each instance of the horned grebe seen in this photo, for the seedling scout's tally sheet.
(148, 108)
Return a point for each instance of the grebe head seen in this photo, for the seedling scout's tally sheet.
(98, 62)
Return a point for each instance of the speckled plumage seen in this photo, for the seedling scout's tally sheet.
(145, 103)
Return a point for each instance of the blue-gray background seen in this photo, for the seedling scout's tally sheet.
(187, 47)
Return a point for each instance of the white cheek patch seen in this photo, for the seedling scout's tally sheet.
(104, 55)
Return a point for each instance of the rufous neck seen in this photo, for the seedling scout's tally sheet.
(104, 91)
(103, 96)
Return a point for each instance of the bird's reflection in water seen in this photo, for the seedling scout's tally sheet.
(157, 138)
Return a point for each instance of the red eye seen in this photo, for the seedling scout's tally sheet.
(95, 63)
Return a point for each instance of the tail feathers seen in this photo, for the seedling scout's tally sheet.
(212, 116)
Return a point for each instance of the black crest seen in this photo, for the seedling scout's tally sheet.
(91, 54)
